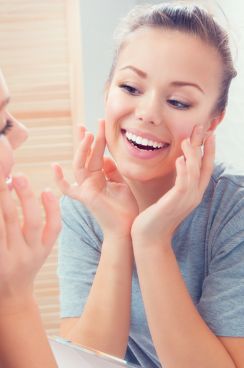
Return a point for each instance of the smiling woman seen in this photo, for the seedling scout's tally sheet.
(154, 252)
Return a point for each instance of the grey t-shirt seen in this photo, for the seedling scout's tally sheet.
(209, 247)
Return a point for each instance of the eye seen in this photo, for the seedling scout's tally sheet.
(178, 104)
(7, 127)
(130, 89)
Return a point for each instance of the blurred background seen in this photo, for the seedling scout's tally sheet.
(56, 56)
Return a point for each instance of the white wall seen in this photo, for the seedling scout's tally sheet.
(230, 136)
(99, 19)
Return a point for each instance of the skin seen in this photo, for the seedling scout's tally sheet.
(23, 250)
(146, 96)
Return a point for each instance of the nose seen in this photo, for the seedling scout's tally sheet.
(18, 133)
(149, 109)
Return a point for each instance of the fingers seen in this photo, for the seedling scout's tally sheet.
(83, 151)
(207, 162)
(199, 162)
(9, 223)
(96, 158)
(110, 170)
(197, 136)
(61, 182)
(181, 182)
(53, 219)
(32, 215)
(193, 163)
(33, 230)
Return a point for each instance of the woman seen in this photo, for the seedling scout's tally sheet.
(151, 262)
(23, 250)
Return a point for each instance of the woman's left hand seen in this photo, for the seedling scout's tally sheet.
(24, 247)
(193, 171)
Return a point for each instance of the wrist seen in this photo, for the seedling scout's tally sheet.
(123, 238)
(141, 242)
(17, 304)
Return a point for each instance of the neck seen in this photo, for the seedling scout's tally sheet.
(148, 192)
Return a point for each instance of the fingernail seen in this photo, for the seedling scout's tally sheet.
(20, 182)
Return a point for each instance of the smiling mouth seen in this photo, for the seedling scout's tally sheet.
(143, 143)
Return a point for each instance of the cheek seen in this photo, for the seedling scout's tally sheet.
(116, 106)
(181, 129)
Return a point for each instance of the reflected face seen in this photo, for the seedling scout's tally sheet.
(165, 82)
(12, 132)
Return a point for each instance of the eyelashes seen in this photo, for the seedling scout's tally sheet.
(129, 89)
(7, 127)
(179, 105)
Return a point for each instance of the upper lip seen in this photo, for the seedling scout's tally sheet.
(145, 135)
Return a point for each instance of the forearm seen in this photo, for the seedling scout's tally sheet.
(181, 337)
(23, 339)
(105, 322)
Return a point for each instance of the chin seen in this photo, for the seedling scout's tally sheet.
(139, 174)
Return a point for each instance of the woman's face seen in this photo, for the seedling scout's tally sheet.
(12, 132)
(165, 82)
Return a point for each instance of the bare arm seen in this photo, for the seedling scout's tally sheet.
(105, 320)
(23, 338)
(107, 311)
(181, 337)
(22, 252)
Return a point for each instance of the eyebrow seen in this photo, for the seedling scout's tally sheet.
(4, 102)
(136, 70)
(174, 84)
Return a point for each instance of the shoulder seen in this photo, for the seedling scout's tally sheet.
(228, 176)
(224, 199)
(226, 187)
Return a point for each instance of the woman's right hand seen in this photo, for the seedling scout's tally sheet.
(99, 185)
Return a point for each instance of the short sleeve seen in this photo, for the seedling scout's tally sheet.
(78, 256)
(222, 301)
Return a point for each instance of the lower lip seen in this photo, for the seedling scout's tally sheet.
(143, 154)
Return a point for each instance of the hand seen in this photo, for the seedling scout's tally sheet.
(100, 186)
(193, 172)
(23, 249)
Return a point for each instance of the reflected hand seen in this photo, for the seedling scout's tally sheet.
(23, 249)
(99, 185)
(193, 172)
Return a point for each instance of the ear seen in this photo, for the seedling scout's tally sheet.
(216, 121)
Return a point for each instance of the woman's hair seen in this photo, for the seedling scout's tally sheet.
(188, 18)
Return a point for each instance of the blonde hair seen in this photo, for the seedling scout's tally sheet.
(188, 18)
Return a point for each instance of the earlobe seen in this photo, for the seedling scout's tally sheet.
(216, 121)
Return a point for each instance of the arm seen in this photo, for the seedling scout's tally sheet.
(23, 339)
(22, 252)
(106, 311)
(181, 336)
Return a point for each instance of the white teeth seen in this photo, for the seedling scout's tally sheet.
(143, 141)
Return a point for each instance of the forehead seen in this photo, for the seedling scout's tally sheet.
(171, 53)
